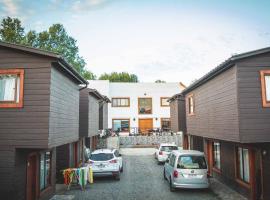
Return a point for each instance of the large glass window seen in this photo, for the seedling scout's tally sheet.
(265, 87)
(243, 164)
(45, 170)
(10, 88)
(166, 123)
(145, 105)
(190, 100)
(191, 162)
(164, 101)
(120, 102)
(216, 155)
(121, 125)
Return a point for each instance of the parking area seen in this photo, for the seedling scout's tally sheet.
(142, 179)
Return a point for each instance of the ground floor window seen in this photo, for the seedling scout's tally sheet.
(216, 155)
(121, 125)
(45, 170)
(165, 123)
(243, 164)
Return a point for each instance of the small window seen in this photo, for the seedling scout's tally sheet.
(243, 164)
(216, 155)
(165, 123)
(101, 156)
(11, 88)
(145, 105)
(265, 87)
(191, 162)
(121, 125)
(164, 101)
(45, 170)
(120, 102)
(190, 101)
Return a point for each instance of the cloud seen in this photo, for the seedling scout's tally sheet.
(86, 5)
(10, 7)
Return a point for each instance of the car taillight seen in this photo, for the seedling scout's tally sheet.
(113, 161)
(160, 153)
(175, 173)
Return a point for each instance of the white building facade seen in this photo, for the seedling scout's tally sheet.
(137, 107)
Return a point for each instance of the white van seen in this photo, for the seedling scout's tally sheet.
(186, 169)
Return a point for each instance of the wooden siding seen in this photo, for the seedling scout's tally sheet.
(174, 115)
(216, 108)
(254, 119)
(93, 116)
(84, 112)
(64, 110)
(103, 115)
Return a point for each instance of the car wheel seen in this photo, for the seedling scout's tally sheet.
(164, 175)
(117, 176)
(172, 189)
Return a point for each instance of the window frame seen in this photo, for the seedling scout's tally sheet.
(190, 96)
(162, 105)
(139, 105)
(164, 118)
(44, 190)
(237, 175)
(14, 104)
(121, 120)
(264, 73)
(214, 167)
(128, 98)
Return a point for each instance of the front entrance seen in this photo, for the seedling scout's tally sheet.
(31, 185)
(145, 125)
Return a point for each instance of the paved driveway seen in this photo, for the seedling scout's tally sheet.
(142, 179)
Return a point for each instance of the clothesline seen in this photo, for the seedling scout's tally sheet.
(79, 176)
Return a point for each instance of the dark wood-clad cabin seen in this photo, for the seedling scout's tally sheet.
(103, 113)
(90, 100)
(228, 116)
(39, 110)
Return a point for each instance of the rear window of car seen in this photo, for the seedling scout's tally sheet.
(168, 148)
(101, 156)
(191, 162)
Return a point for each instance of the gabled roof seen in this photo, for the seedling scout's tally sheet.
(60, 60)
(224, 66)
(176, 96)
(106, 99)
(95, 93)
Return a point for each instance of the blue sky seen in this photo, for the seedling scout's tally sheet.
(172, 40)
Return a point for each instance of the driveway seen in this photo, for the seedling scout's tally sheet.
(142, 179)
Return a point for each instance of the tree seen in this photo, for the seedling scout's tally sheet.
(119, 77)
(160, 81)
(55, 39)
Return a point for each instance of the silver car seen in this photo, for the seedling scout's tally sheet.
(186, 169)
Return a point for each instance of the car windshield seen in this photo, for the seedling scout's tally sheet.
(101, 156)
(191, 162)
(168, 148)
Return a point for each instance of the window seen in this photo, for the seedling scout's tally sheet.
(172, 160)
(191, 162)
(101, 156)
(11, 88)
(265, 86)
(190, 100)
(121, 125)
(164, 101)
(243, 164)
(45, 170)
(166, 123)
(145, 105)
(121, 102)
(216, 155)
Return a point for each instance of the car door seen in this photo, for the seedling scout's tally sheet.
(118, 157)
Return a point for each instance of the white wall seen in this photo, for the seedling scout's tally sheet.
(135, 90)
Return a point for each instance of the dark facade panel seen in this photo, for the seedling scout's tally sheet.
(64, 110)
(103, 115)
(175, 119)
(84, 112)
(254, 118)
(93, 119)
(216, 108)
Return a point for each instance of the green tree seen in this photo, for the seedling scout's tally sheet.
(55, 39)
(119, 77)
(160, 81)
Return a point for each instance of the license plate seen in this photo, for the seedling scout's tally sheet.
(101, 166)
(192, 175)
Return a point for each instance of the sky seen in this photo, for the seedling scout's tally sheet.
(171, 40)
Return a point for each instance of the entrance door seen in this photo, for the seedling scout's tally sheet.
(210, 156)
(145, 125)
(31, 177)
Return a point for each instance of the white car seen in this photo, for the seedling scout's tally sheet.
(186, 169)
(163, 151)
(106, 162)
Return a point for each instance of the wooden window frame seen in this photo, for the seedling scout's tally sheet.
(162, 118)
(188, 105)
(128, 98)
(139, 105)
(161, 105)
(264, 73)
(12, 104)
(214, 168)
(122, 119)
